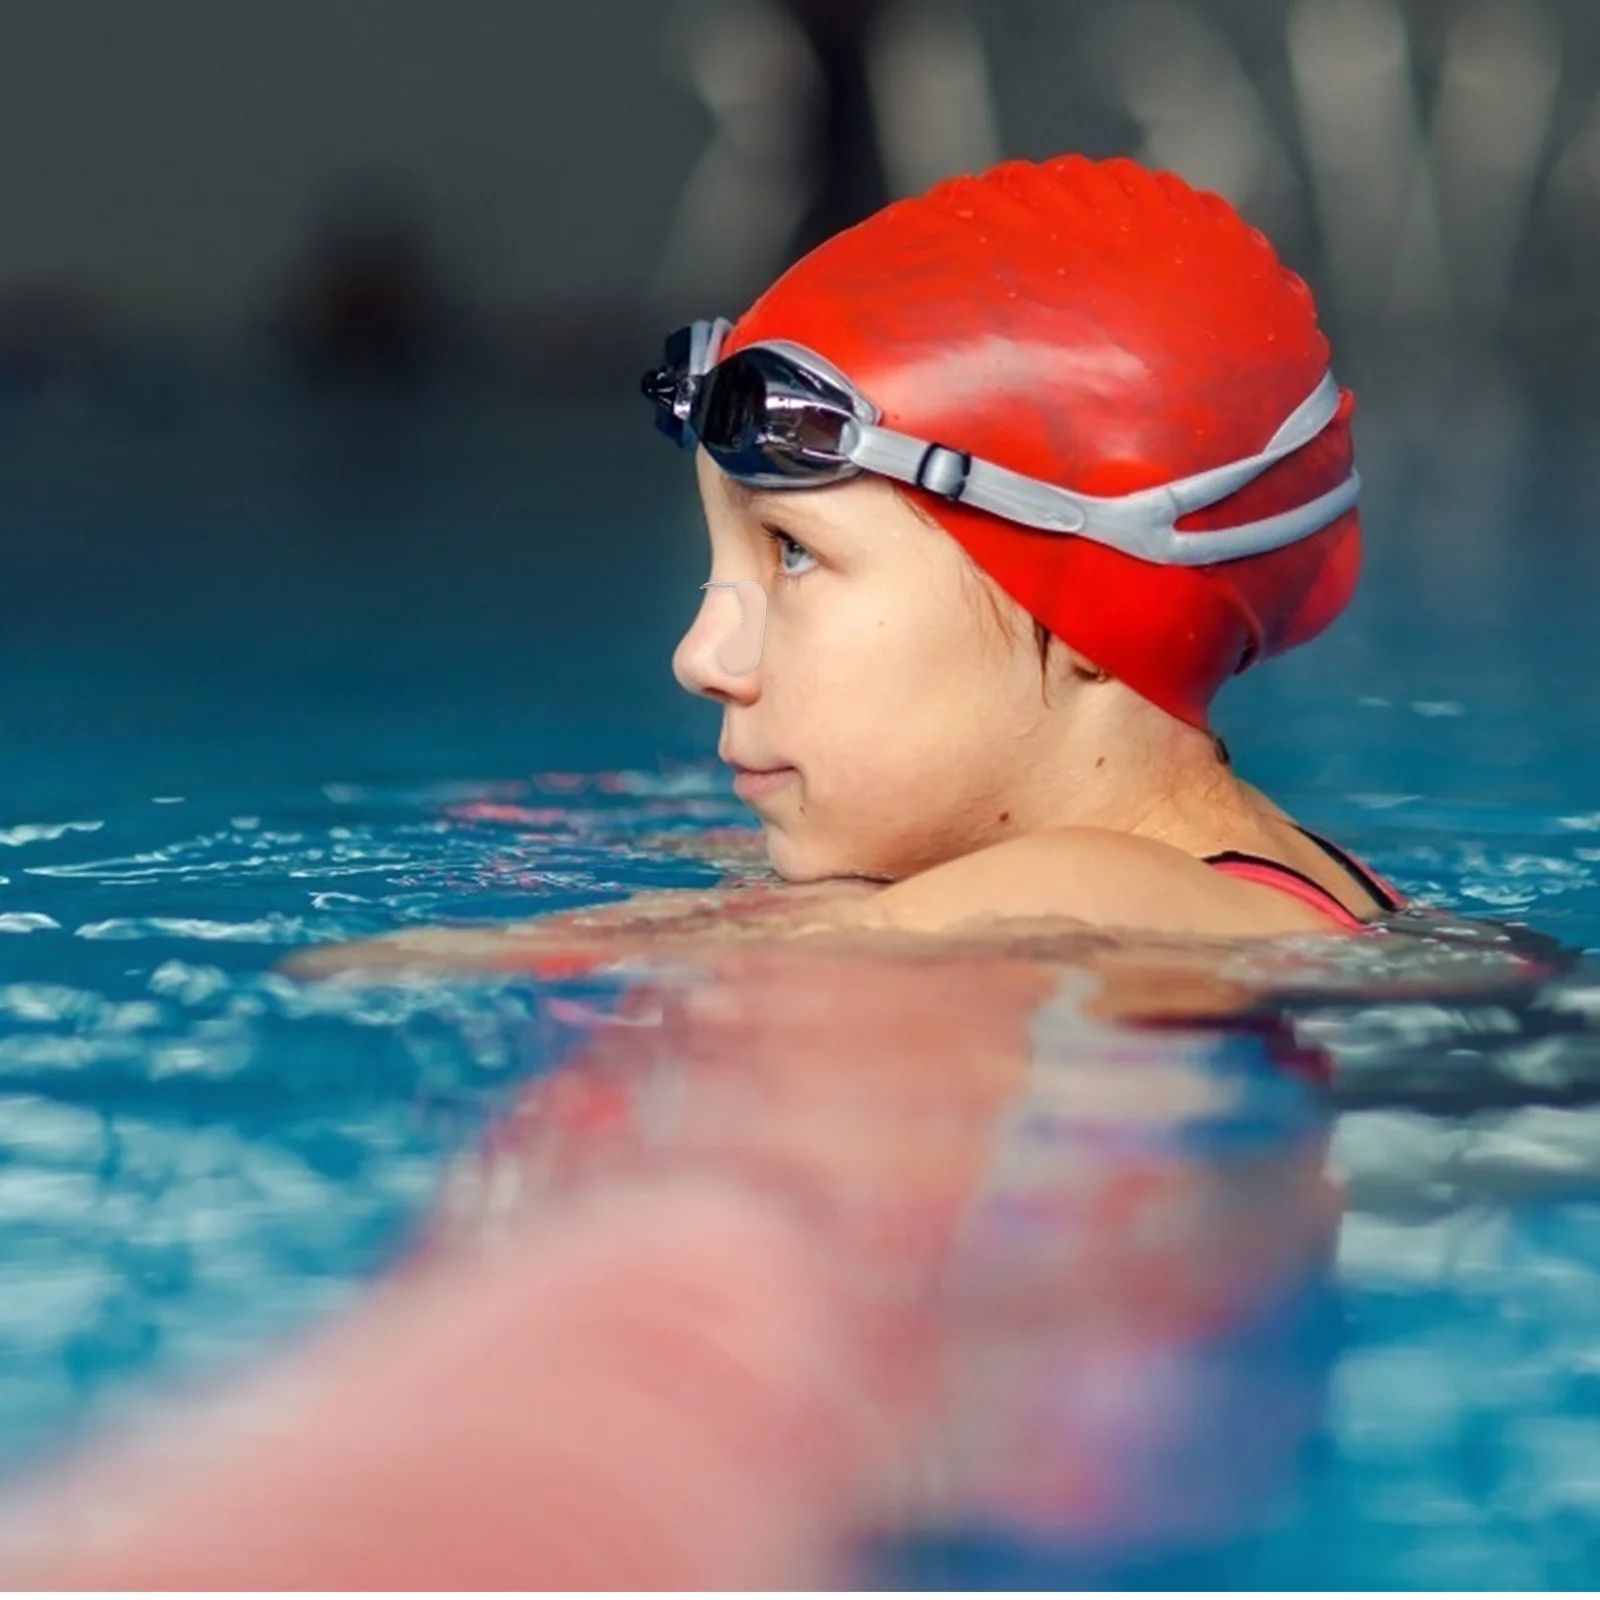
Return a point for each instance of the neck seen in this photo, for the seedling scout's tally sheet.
(1126, 765)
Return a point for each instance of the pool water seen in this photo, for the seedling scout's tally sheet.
(325, 676)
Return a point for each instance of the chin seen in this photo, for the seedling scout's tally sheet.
(796, 861)
(809, 861)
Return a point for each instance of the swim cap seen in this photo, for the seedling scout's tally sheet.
(1108, 329)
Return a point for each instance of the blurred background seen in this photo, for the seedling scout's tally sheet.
(320, 327)
(336, 543)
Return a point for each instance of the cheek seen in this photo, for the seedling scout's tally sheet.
(823, 671)
(904, 721)
(957, 695)
(901, 688)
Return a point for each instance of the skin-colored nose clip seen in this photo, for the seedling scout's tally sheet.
(740, 653)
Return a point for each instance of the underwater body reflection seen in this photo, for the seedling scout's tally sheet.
(1081, 1184)
(1270, 1263)
(1089, 1249)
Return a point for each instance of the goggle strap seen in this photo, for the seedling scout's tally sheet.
(1144, 523)
(1308, 419)
(705, 344)
(1269, 533)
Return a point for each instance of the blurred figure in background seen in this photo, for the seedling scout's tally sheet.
(822, 111)
(849, 177)
(367, 308)
(51, 338)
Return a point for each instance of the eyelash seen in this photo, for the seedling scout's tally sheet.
(782, 542)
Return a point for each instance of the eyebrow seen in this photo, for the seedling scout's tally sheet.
(785, 505)
(742, 494)
(757, 503)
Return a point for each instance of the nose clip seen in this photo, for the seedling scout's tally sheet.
(739, 653)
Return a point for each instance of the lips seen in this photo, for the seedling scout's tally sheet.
(750, 766)
(752, 783)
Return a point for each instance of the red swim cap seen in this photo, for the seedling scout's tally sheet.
(1108, 329)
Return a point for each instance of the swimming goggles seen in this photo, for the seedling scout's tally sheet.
(778, 416)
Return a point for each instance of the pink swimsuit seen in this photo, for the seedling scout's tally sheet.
(1275, 875)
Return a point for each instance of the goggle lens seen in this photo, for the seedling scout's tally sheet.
(759, 416)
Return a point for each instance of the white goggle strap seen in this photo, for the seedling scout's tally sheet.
(705, 345)
(1142, 524)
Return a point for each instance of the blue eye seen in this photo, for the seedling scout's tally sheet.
(786, 547)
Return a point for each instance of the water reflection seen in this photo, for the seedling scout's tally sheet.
(1102, 1189)
(1087, 1201)
(1154, 1235)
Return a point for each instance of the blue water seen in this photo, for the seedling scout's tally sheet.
(273, 677)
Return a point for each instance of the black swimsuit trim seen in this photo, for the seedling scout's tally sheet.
(1385, 900)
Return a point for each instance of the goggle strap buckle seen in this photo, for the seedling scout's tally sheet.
(943, 471)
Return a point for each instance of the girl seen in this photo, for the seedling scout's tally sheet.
(1024, 470)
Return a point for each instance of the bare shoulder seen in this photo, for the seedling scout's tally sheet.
(1094, 875)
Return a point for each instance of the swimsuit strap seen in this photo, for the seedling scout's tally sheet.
(1381, 890)
(1276, 875)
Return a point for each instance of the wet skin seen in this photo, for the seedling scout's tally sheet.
(911, 766)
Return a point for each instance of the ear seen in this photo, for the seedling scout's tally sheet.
(1081, 665)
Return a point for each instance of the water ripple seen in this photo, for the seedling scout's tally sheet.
(198, 1154)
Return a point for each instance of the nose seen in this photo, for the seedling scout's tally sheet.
(720, 653)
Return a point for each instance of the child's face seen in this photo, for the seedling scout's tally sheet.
(914, 731)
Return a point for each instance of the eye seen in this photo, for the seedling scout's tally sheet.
(786, 548)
